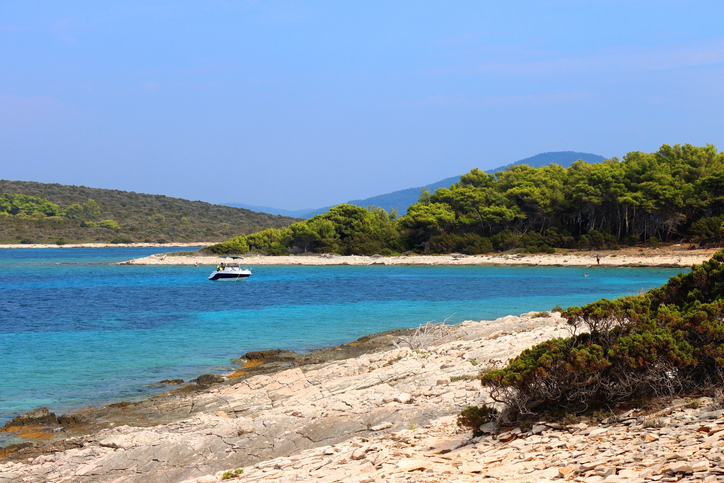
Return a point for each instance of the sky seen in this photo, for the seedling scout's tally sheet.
(312, 103)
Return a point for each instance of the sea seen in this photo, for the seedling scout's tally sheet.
(77, 330)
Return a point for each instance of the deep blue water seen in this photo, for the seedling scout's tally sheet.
(77, 330)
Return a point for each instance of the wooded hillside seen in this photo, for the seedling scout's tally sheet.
(673, 194)
(53, 213)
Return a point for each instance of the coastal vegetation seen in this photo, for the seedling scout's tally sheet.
(53, 213)
(668, 340)
(674, 193)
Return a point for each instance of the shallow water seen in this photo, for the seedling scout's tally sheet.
(76, 330)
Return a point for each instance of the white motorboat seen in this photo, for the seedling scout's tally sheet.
(230, 272)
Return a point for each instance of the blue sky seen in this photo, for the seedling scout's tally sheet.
(307, 104)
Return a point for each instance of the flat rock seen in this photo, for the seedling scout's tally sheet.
(681, 468)
(381, 426)
(711, 414)
(489, 428)
(413, 465)
(331, 428)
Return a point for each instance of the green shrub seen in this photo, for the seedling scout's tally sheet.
(122, 239)
(473, 244)
(360, 244)
(531, 239)
(109, 224)
(596, 239)
(445, 243)
(17, 204)
(505, 240)
(540, 249)
(386, 252)
(464, 377)
(708, 228)
(560, 238)
(277, 248)
(474, 416)
(227, 475)
(667, 340)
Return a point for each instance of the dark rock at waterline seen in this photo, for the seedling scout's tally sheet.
(171, 382)
(274, 355)
(208, 379)
(72, 419)
(122, 404)
(363, 345)
(39, 416)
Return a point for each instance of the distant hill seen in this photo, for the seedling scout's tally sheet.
(564, 158)
(118, 216)
(272, 211)
(403, 198)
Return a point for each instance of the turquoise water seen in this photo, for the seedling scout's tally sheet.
(76, 330)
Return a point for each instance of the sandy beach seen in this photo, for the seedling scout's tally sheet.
(671, 256)
(668, 256)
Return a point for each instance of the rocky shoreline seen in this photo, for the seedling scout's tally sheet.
(250, 418)
(384, 414)
(669, 257)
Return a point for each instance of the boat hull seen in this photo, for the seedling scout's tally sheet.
(234, 276)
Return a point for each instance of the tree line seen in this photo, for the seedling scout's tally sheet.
(674, 193)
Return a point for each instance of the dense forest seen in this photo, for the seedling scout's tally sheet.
(674, 193)
(53, 213)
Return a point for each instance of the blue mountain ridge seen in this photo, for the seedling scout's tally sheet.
(401, 199)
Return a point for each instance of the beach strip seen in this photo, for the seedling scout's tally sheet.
(630, 257)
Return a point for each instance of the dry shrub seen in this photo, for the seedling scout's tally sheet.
(666, 341)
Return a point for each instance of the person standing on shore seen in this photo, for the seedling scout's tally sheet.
(598, 259)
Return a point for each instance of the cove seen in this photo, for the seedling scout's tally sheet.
(78, 330)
